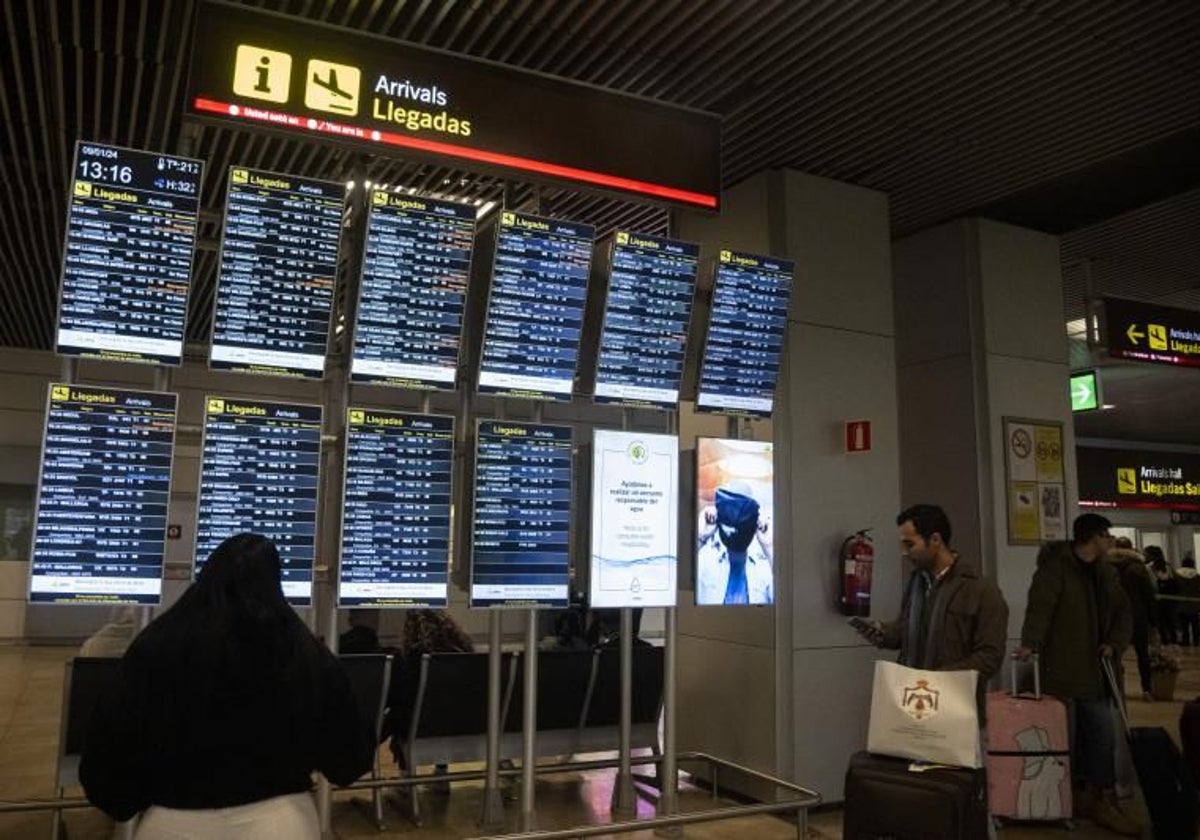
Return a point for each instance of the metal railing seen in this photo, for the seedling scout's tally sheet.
(799, 804)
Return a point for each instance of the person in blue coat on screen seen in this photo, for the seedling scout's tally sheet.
(733, 561)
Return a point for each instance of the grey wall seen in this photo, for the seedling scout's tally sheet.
(979, 337)
(839, 365)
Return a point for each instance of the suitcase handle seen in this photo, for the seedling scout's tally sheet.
(1037, 678)
(1118, 696)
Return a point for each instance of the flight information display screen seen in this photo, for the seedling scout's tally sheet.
(745, 334)
(103, 492)
(416, 264)
(522, 524)
(396, 510)
(651, 285)
(535, 312)
(279, 255)
(127, 258)
(260, 467)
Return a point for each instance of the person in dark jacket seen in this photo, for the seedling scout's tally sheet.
(1077, 613)
(221, 710)
(1167, 585)
(1139, 588)
(952, 618)
(1188, 610)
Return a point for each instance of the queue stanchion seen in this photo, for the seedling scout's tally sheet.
(624, 801)
(492, 817)
(668, 803)
(529, 724)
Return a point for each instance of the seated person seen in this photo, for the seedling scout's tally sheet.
(222, 709)
(363, 635)
(114, 638)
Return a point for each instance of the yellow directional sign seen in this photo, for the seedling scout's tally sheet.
(1127, 480)
(1158, 336)
(1134, 334)
(261, 73)
(332, 87)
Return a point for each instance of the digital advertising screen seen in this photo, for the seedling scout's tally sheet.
(522, 519)
(535, 312)
(735, 505)
(127, 256)
(103, 491)
(416, 263)
(260, 468)
(279, 255)
(745, 334)
(396, 510)
(635, 519)
(651, 285)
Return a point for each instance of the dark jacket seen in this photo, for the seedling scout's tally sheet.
(247, 740)
(966, 629)
(1067, 619)
(1139, 587)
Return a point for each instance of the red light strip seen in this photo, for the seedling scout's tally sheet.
(527, 164)
(1140, 505)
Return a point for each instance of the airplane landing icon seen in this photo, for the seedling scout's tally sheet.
(332, 87)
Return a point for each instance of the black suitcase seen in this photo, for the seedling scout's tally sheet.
(1164, 777)
(887, 801)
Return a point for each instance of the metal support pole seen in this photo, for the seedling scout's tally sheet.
(668, 803)
(493, 806)
(624, 799)
(529, 724)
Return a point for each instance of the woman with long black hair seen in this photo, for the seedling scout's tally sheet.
(222, 709)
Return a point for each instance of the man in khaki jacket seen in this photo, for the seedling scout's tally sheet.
(952, 618)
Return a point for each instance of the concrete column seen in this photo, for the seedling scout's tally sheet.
(787, 689)
(979, 336)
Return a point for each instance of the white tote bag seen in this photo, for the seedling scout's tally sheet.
(925, 715)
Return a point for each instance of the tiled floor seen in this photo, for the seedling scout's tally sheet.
(30, 703)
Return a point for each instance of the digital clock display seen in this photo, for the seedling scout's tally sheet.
(127, 256)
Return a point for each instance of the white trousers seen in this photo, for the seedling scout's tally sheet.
(293, 816)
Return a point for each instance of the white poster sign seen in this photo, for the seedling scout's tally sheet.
(635, 489)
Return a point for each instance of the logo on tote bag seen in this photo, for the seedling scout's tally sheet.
(920, 701)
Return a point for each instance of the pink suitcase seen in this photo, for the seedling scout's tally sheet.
(1028, 754)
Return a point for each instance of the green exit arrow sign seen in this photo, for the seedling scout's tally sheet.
(1085, 391)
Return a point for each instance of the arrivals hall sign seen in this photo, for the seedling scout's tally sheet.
(1148, 333)
(274, 71)
(1138, 479)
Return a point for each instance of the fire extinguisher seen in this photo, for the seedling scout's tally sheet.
(856, 558)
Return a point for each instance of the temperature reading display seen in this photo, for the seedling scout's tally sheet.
(127, 259)
(745, 334)
(396, 514)
(414, 279)
(535, 314)
(522, 515)
(102, 496)
(279, 259)
(259, 469)
(651, 285)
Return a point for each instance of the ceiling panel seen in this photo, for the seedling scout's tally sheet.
(948, 106)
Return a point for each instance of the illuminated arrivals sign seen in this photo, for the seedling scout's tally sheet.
(1148, 333)
(1125, 478)
(282, 72)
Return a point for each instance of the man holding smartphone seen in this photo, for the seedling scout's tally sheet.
(952, 618)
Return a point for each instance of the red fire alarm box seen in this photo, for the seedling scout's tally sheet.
(858, 436)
